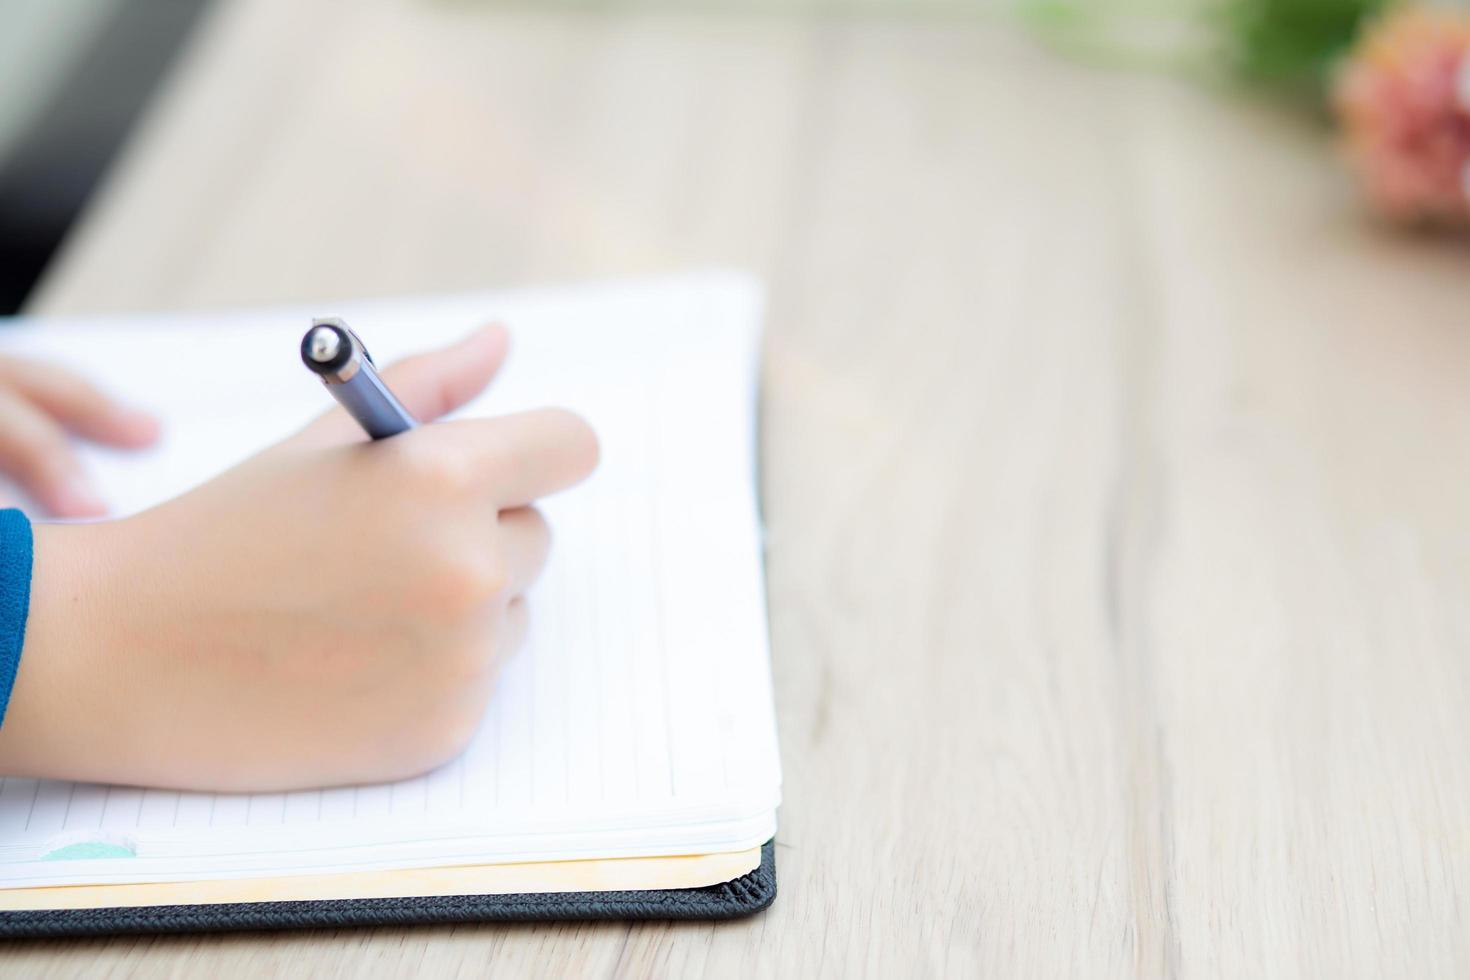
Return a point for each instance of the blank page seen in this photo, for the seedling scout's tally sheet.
(637, 720)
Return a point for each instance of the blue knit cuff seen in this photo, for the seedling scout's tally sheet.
(15, 596)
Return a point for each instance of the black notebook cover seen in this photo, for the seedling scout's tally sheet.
(745, 895)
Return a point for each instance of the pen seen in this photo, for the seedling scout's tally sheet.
(338, 357)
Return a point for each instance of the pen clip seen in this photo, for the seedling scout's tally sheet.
(340, 324)
(366, 356)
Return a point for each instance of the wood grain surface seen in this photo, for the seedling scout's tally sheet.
(1115, 466)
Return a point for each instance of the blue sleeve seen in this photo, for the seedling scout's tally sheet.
(15, 596)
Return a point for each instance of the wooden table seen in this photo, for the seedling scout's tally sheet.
(1116, 469)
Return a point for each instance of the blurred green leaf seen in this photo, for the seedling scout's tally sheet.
(1288, 45)
(1293, 43)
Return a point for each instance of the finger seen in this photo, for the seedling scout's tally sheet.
(79, 405)
(513, 626)
(523, 457)
(524, 542)
(436, 383)
(429, 385)
(34, 451)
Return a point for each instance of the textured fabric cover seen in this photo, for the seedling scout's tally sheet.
(15, 596)
(745, 895)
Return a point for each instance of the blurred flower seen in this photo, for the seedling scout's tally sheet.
(1404, 99)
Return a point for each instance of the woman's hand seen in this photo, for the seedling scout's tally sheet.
(39, 406)
(330, 611)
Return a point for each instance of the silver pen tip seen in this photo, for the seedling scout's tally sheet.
(323, 344)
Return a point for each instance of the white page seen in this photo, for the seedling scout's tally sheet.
(638, 719)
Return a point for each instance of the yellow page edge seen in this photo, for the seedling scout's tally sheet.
(612, 874)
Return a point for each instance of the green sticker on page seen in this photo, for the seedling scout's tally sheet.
(89, 851)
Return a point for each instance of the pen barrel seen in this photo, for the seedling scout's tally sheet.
(374, 407)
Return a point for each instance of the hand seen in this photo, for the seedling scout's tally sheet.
(39, 405)
(331, 611)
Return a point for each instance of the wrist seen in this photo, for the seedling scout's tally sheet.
(67, 696)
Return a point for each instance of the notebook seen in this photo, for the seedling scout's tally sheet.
(630, 745)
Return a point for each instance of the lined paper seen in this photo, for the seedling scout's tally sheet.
(637, 719)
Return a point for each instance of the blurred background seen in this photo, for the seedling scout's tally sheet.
(76, 77)
(1114, 422)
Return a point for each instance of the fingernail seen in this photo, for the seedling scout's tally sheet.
(79, 498)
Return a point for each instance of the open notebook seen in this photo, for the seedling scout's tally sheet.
(636, 723)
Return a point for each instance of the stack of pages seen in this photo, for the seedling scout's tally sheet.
(630, 744)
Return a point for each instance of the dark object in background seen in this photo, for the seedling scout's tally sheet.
(56, 163)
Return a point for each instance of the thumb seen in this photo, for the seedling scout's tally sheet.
(429, 385)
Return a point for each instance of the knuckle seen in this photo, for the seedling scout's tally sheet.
(439, 472)
(513, 631)
(442, 737)
(462, 586)
(435, 745)
(452, 736)
(534, 521)
(484, 579)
